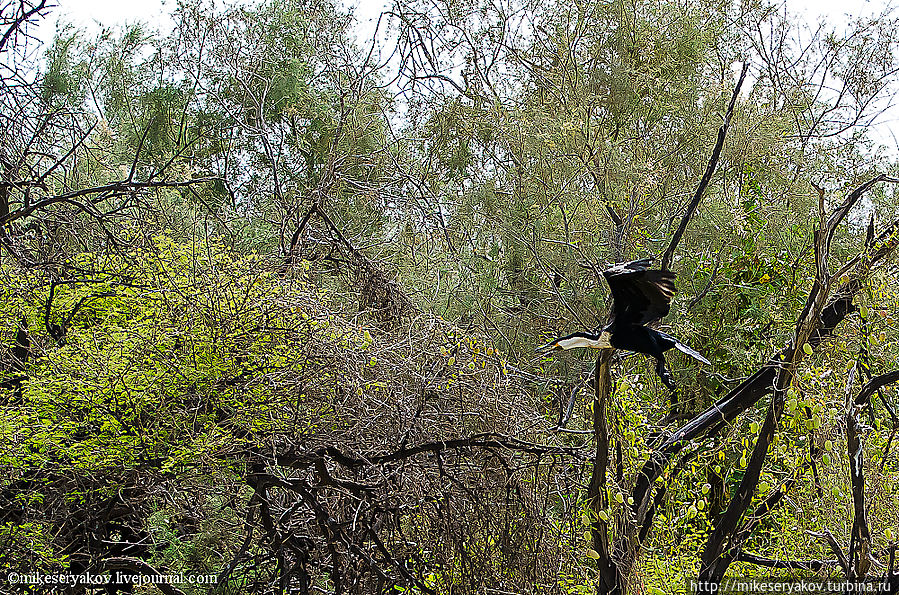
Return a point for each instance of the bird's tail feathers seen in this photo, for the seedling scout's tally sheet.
(692, 352)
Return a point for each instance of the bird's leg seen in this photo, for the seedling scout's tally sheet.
(665, 375)
(668, 381)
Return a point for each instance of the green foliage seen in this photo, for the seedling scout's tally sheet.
(145, 381)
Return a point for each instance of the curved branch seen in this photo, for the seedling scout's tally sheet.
(874, 385)
(120, 186)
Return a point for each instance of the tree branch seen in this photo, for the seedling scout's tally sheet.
(707, 176)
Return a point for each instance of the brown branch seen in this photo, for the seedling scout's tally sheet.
(701, 295)
(715, 560)
(777, 496)
(860, 534)
(307, 458)
(725, 541)
(42, 181)
(663, 488)
(252, 505)
(295, 238)
(565, 415)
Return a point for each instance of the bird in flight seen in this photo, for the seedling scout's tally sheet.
(639, 296)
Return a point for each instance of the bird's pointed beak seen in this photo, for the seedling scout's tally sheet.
(551, 346)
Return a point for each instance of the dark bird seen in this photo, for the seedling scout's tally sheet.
(640, 296)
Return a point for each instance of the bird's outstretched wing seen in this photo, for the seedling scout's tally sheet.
(639, 295)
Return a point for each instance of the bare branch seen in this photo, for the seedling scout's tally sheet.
(707, 176)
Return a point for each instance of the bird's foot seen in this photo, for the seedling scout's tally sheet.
(668, 381)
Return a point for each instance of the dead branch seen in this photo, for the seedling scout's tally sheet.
(707, 176)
